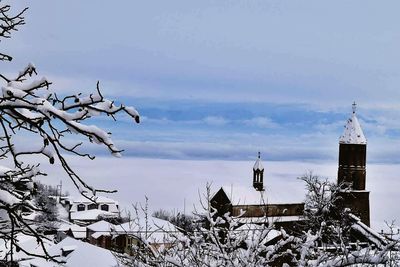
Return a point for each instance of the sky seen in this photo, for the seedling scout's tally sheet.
(222, 80)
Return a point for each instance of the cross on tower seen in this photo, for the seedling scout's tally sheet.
(354, 106)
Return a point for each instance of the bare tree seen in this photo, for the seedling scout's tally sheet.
(329, 228)
(30, 110)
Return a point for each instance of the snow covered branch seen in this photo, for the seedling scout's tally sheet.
(30, 110)
(9, 23)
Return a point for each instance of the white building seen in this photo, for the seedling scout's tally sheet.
(85, 211)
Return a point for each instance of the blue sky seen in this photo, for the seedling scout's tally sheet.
(224, 79)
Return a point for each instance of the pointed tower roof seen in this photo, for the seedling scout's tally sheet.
(258, 164)
(353, 133)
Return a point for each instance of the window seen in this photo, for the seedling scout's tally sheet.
(92, 206)
(81, 207)
(104, 207)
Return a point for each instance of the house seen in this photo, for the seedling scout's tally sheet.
(351, 170)
(156, 232)
(130, 236)
(99, 234)
(85, 211)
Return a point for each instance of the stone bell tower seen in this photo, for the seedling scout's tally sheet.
(258, 174)
(352, 171)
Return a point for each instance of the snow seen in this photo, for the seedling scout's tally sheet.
(98, 234)
(83, 254)
(28, 243)
(8, 198)
(353, 133)
(69, 248)
(101, 226)
(272, 233)
(157, 231)
(79, 232)
(62, 212)
(368, 232)
(247, 195)
(272, 219)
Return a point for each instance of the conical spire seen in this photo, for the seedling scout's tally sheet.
(353, 133)
(258, 164)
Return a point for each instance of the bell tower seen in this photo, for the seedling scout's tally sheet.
(352, 168)
(258, 174)
(352, 154)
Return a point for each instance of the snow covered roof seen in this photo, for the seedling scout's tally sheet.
(78, 231)
(254, 227)
(82, 254)
(158, 230)
(258, 164)
(273, 219)
(279, 192)
(367, 232)
(97, 199)
(101, 226)
(90, 215)
(353, 133)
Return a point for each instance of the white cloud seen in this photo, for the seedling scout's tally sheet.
(215, 120)
(262, 122)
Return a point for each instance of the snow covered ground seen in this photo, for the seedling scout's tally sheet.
(174, 184)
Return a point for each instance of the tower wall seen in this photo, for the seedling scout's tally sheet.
(352, 161)
(358, 202)
(352, 169)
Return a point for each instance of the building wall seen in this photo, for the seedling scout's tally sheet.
(270, 210)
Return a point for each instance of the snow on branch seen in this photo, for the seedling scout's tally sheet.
(29, 109)
(28, 105)
(9, 23)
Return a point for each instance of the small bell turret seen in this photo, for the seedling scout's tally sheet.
(258, 174)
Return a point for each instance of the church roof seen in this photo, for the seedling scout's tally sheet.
(353, 133)
(258, 164)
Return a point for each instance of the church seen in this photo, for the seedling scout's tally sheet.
(351, 175)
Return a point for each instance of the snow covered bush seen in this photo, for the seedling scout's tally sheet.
(36, 122)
